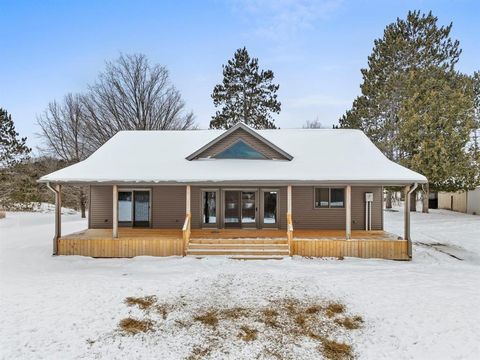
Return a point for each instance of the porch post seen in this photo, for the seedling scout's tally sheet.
(289, 220)
(58, 217)
(289, 199)
(348, 212)
(406, 214)
(188, 197)
(115, 212)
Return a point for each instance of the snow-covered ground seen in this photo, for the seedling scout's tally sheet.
(70, 307)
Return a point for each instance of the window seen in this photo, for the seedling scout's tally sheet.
(329, 197)
(336, 198)
(209, 203)
(322, 197)
(240, 150)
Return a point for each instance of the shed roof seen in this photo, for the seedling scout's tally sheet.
(337, 156)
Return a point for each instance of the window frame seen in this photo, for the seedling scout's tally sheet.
(315, 207)
(240, 140)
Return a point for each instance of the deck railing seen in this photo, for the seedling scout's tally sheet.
(186, 233)
(290, 234)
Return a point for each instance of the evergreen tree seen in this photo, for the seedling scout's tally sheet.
(246, 94)
(12, 148)
(475, 148)
(13, 151)
(408, 45)
(437, 120)
(414, 43)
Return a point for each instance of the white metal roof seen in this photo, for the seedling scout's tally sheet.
(338, 156)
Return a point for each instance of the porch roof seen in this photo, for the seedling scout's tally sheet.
(337, 156)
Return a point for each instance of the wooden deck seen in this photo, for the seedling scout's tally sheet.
(233, 242)
(130, 243)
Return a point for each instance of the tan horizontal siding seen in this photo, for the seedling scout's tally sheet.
(196, 207)
(101, 207)
(306, 216)
(358, 207)
(168, 206)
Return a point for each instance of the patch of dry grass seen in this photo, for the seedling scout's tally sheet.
(350, 323)
(209, 318)
(300, 320)
(199, 353)
(269, 317)
(334, 309)
(313, 309)
(233, 313)
(162, 309)
(287, 322)
(134, 326)
(334, 350)
(247, 333)
(143, 303)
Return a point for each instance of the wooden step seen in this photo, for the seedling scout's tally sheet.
(257, 257)
(194, 245)
(246, 257)
(239, 241)
(237, 251)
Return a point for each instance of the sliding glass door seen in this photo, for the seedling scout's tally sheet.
(134, 208)
(240, 209)
(141, 208)
(232, 209)
(125, 206)
(249, 209)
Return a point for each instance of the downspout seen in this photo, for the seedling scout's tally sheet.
(409, 240)
(55, 237)
(50, 187)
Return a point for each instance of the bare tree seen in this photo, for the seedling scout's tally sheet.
(62, 125)
(131, 94)
(315, 124)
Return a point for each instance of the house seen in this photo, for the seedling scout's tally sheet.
(462, 201)
(239, 192)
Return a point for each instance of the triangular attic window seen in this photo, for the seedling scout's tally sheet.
(240, 150)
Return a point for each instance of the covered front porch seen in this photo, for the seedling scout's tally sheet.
(119, 241)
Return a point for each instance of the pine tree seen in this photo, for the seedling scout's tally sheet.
(12, 148)
(13, 151)
(475, 147)
(437, 120)
(246, 94)
(416, 43)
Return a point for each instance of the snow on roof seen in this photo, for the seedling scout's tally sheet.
(319, 155)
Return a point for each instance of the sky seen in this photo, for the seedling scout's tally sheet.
(315, 48)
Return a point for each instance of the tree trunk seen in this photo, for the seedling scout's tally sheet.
(413, 201)
(83, 202)
(388, 200)
(426, 198)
